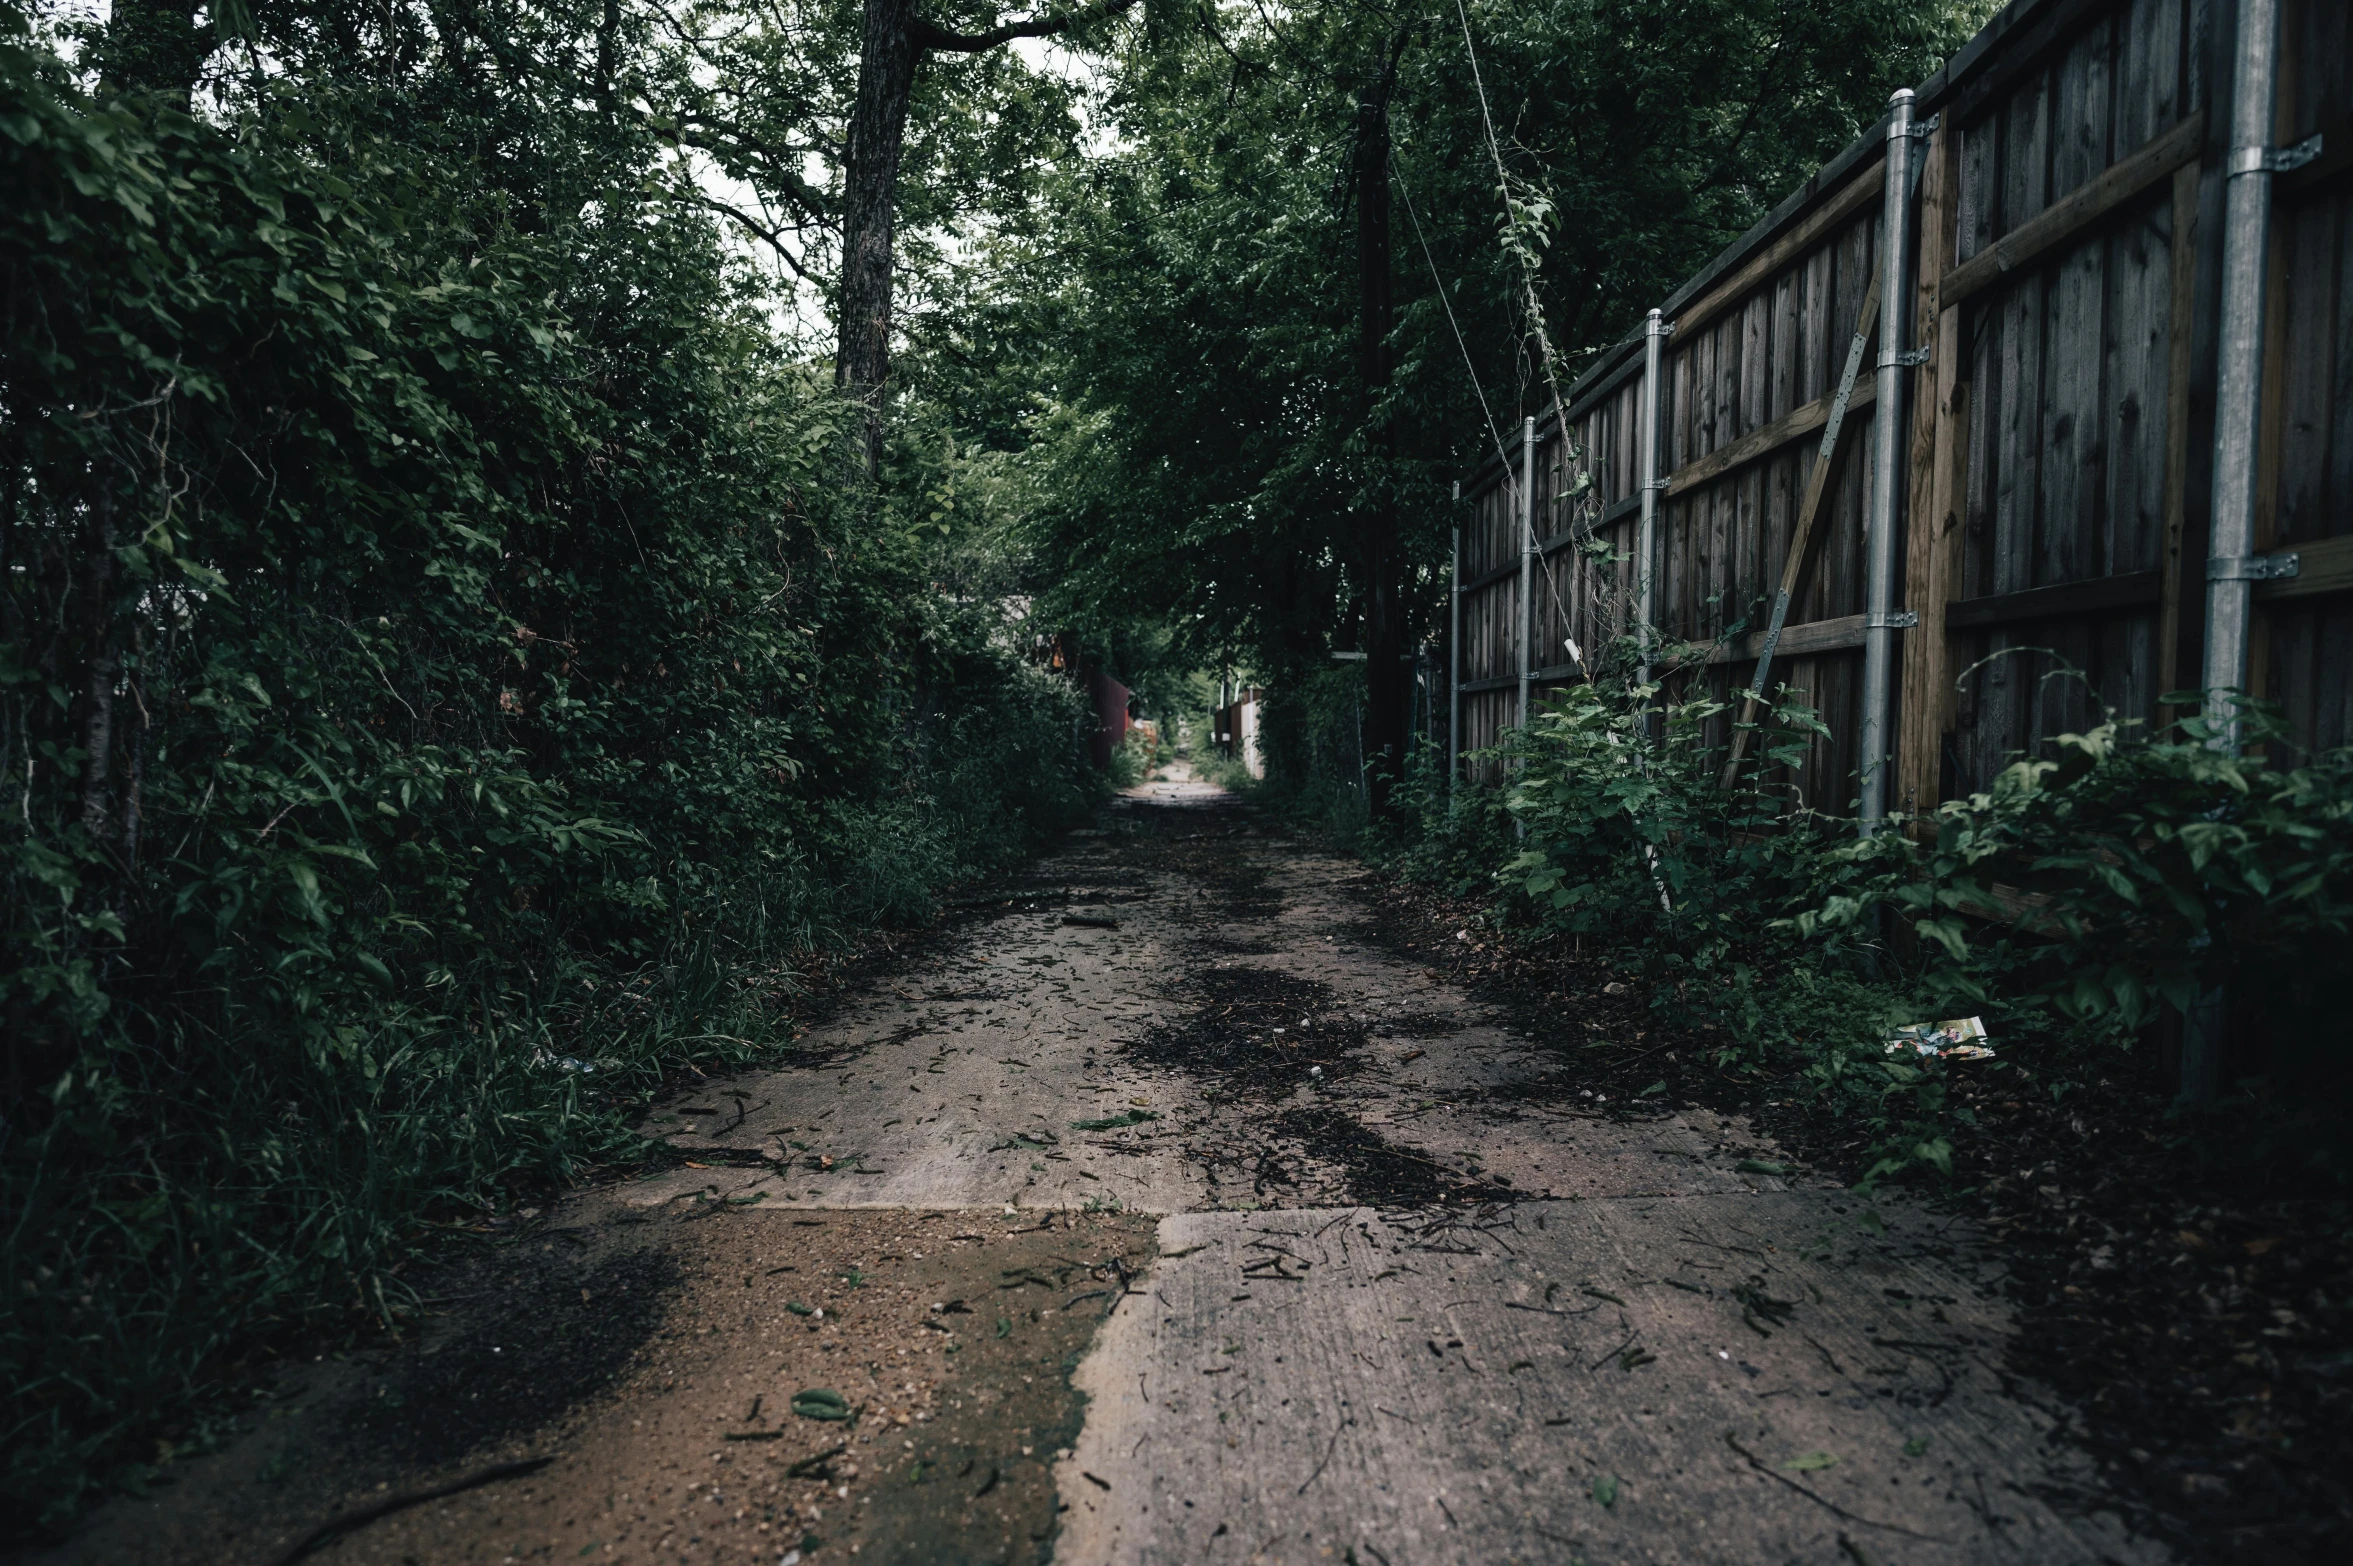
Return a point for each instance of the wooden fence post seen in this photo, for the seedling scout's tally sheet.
(1932, 546)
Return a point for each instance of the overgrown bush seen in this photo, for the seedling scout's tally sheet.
(2129, 877)
(1133, 759)
(445, 688)
(1628, 841)
(1311, 735)
(2076, 903)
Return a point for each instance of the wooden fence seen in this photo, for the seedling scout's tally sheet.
(2057, 453)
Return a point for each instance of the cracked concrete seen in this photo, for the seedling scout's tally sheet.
(1662, 1350)
(1417, 1296)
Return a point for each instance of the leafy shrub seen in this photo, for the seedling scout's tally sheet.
(1311, 734)
(2074, 903)
(1133, 759)
(444, 691)
(1629, 834)
(2128, 876)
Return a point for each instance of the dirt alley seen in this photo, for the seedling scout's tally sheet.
(1158, 1212)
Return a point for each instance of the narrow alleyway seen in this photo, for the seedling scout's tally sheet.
(1343, 1269)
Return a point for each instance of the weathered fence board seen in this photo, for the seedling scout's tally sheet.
(2055, 477)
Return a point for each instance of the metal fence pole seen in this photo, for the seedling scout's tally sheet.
(1880, 620)
(2238, 382)
(1527, 563)
(2231, 566)
(1646, 535)
(1454, 665)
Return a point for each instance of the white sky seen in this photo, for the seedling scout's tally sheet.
(802, 316)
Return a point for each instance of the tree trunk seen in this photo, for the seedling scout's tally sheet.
(98, 672)
(878, 133)
(895, 42)
(1388, 688)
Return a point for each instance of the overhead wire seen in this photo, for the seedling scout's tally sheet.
(1471, 369)
(1503, 192)
(1438, 282)
(1528, 284)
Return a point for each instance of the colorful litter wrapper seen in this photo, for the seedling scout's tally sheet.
(1962, 1038)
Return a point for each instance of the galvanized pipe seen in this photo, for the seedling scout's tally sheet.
(1454, 665)
(1527, 564)
(1646, 534)
(1887, 467)
(2238, 387)
(2238, 425)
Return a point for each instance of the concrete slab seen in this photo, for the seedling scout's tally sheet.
(1689, 1379)
(1661, 1356)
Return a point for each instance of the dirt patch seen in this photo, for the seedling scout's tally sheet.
(1213, 850)
(536, 1330)
(1232, 946)
(2198, 1311)
(949, 1337)
(1419, 1025)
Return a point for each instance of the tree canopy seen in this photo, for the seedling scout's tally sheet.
(1194, 304)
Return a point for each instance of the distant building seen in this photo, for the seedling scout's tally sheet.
(1235, 729)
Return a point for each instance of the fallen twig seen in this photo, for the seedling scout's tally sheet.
(344, 1522)
(1328, 1451)
(814, 1467)
(1824, 1501)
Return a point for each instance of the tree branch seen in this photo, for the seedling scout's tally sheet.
(815, 204)
(929, 35)
(772, 237)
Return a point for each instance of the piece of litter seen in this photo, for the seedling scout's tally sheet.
(821, 1403)
(1959, 1038)
(1605, 1489)
(1810, 1462)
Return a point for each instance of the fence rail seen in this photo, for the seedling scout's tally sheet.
(2056, 442)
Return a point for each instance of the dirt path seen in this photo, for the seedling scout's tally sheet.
(1163, 1215)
